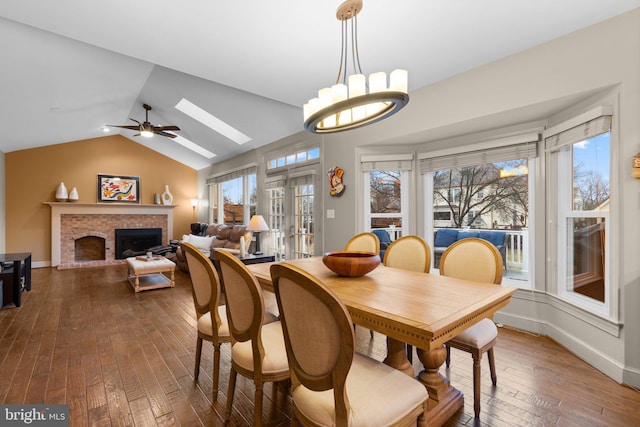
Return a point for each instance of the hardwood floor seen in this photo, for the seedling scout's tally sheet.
(84, 338)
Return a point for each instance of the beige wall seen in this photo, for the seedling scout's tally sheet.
(31, 178)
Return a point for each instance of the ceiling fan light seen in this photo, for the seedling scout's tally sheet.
(146, 133)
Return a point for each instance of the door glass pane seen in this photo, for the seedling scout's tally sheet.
(303, 221)
(277, 230)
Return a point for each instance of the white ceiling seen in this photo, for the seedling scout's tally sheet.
(71, 66)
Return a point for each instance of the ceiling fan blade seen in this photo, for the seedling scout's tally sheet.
(161, 128)
(168, 135)
(135, 121)
(125, 127)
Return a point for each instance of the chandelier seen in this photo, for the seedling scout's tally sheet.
(351, 103)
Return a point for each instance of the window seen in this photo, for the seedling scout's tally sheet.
(581, 158)
(303, 220)
(235, 192)
(302, 156)
(386, 180)
(485, 190)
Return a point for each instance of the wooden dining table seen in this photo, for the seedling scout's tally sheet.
(421, 309)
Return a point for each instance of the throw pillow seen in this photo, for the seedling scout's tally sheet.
(445, 237)
(201, 242)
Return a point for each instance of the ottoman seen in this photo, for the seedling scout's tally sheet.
(146, 273)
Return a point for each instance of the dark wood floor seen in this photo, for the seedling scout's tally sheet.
(84, 338)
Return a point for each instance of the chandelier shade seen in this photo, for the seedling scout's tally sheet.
(351, 102)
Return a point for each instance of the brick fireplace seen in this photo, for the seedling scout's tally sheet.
(71, 221)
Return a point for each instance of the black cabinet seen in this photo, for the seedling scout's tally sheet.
(15, 275)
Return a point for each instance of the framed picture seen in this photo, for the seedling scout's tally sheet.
(118, 189)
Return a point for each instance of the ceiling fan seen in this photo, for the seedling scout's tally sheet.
(146, 129)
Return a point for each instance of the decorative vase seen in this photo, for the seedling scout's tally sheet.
(61, 193)
(243, 249)
(156, 199)
(73, 195)
(167, 197)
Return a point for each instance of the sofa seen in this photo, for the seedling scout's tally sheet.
(211, 237)
(446, 236)
(385, 240)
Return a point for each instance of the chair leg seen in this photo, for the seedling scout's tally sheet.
(492, 366)
(216, 370)
(232, 388)
(410, 353)
(196, 371)
(476, 385)
(371, 333)
(257, 405)
(448, 359)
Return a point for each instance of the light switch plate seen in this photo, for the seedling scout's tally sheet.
(331, 213)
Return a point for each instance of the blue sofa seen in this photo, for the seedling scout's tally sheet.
(385, 241)
(446, 236)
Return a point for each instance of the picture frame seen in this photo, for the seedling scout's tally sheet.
(118, 189)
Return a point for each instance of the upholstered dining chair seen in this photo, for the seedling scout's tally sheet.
(409, 253)
(363, 242)
(332, 385)
(206, 297)
(478, 260)
(257, 342)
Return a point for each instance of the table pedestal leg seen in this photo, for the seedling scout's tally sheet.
(397, 356)
(444, 400)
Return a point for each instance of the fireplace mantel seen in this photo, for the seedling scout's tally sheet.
(65, 208)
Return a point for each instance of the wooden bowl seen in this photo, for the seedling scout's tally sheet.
(350, 263)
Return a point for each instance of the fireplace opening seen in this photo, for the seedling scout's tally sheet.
(135, 241)
(90, 248)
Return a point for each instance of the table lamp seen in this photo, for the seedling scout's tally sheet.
(257, 224)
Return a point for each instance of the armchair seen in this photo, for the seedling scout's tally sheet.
(385, 241)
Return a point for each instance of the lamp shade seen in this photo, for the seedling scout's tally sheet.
(257, 223)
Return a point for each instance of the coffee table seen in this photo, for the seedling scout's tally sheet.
(145, 274)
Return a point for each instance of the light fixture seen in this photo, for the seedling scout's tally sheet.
(349, 104)
(146, 130)
(257, 224)
(194, 205)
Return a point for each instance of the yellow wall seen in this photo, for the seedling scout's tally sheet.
(31, 178)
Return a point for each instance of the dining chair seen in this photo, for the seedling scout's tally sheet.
(363, 242)
(257, 342)
(206, 297)
(480, 261)
(332, 385)
(409, 253)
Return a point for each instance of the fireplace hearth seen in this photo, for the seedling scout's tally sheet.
(135, 241)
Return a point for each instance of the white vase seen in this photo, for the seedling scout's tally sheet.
(73, 195)
(156, 199)
(167, 197)
(61, 193)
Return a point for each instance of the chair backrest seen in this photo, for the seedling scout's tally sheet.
(409, 253)
(205, 282)
(472, 259)
(245, 303)
(318, 333)
(363, 242)
(382, 235)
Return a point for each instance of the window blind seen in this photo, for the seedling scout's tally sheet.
(381, 162)
(301, 177)
(471, 158)
(277, 181)
(249, 170)
(581, 132)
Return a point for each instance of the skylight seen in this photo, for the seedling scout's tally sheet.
(211, 121)
(193, 146)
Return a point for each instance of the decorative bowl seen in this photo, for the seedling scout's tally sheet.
(351, 263)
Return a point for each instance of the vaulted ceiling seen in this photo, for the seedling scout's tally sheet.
(71, 66)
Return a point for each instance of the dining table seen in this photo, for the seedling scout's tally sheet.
(421, 309)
